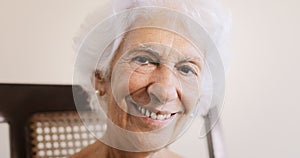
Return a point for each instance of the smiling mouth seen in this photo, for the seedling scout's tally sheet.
(151, 114)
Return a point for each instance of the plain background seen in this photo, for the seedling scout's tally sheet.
(261, 113)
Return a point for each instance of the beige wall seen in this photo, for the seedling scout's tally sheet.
(36, 39)
(261, 113)
(262, 110)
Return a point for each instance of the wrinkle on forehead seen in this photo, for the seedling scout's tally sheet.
(171, 40)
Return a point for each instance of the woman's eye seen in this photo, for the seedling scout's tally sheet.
(186, 70)
(143, 60)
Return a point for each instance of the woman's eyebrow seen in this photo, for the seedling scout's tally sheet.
(195, 60)
(146, 49)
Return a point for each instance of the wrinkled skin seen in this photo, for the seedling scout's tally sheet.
(154, 69)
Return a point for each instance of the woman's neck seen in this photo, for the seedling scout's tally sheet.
(99, 149)
(108, 151)
(112, 152)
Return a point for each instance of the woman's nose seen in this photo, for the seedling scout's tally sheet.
(165, 86)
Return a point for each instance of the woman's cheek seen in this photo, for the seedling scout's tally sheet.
(120, 82)
(138, 81)
(190, 97)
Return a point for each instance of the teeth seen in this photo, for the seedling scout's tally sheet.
(160, 117)
(168, 115)
(143, 111)
(147, 113)
(153, 115)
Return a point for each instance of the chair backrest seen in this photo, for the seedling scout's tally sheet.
(44, 122)
(21, 105)
(62, 134)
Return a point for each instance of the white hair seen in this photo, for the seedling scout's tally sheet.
(209, 14)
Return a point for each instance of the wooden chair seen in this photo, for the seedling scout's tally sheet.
(44, 122)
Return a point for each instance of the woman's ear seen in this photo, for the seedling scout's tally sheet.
(99, 83)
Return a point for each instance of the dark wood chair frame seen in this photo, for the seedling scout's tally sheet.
(20, 101)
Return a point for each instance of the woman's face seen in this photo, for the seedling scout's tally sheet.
(155, 81)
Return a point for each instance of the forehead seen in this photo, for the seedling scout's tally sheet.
(165, 38)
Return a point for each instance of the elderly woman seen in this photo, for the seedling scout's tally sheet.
(144, 68)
